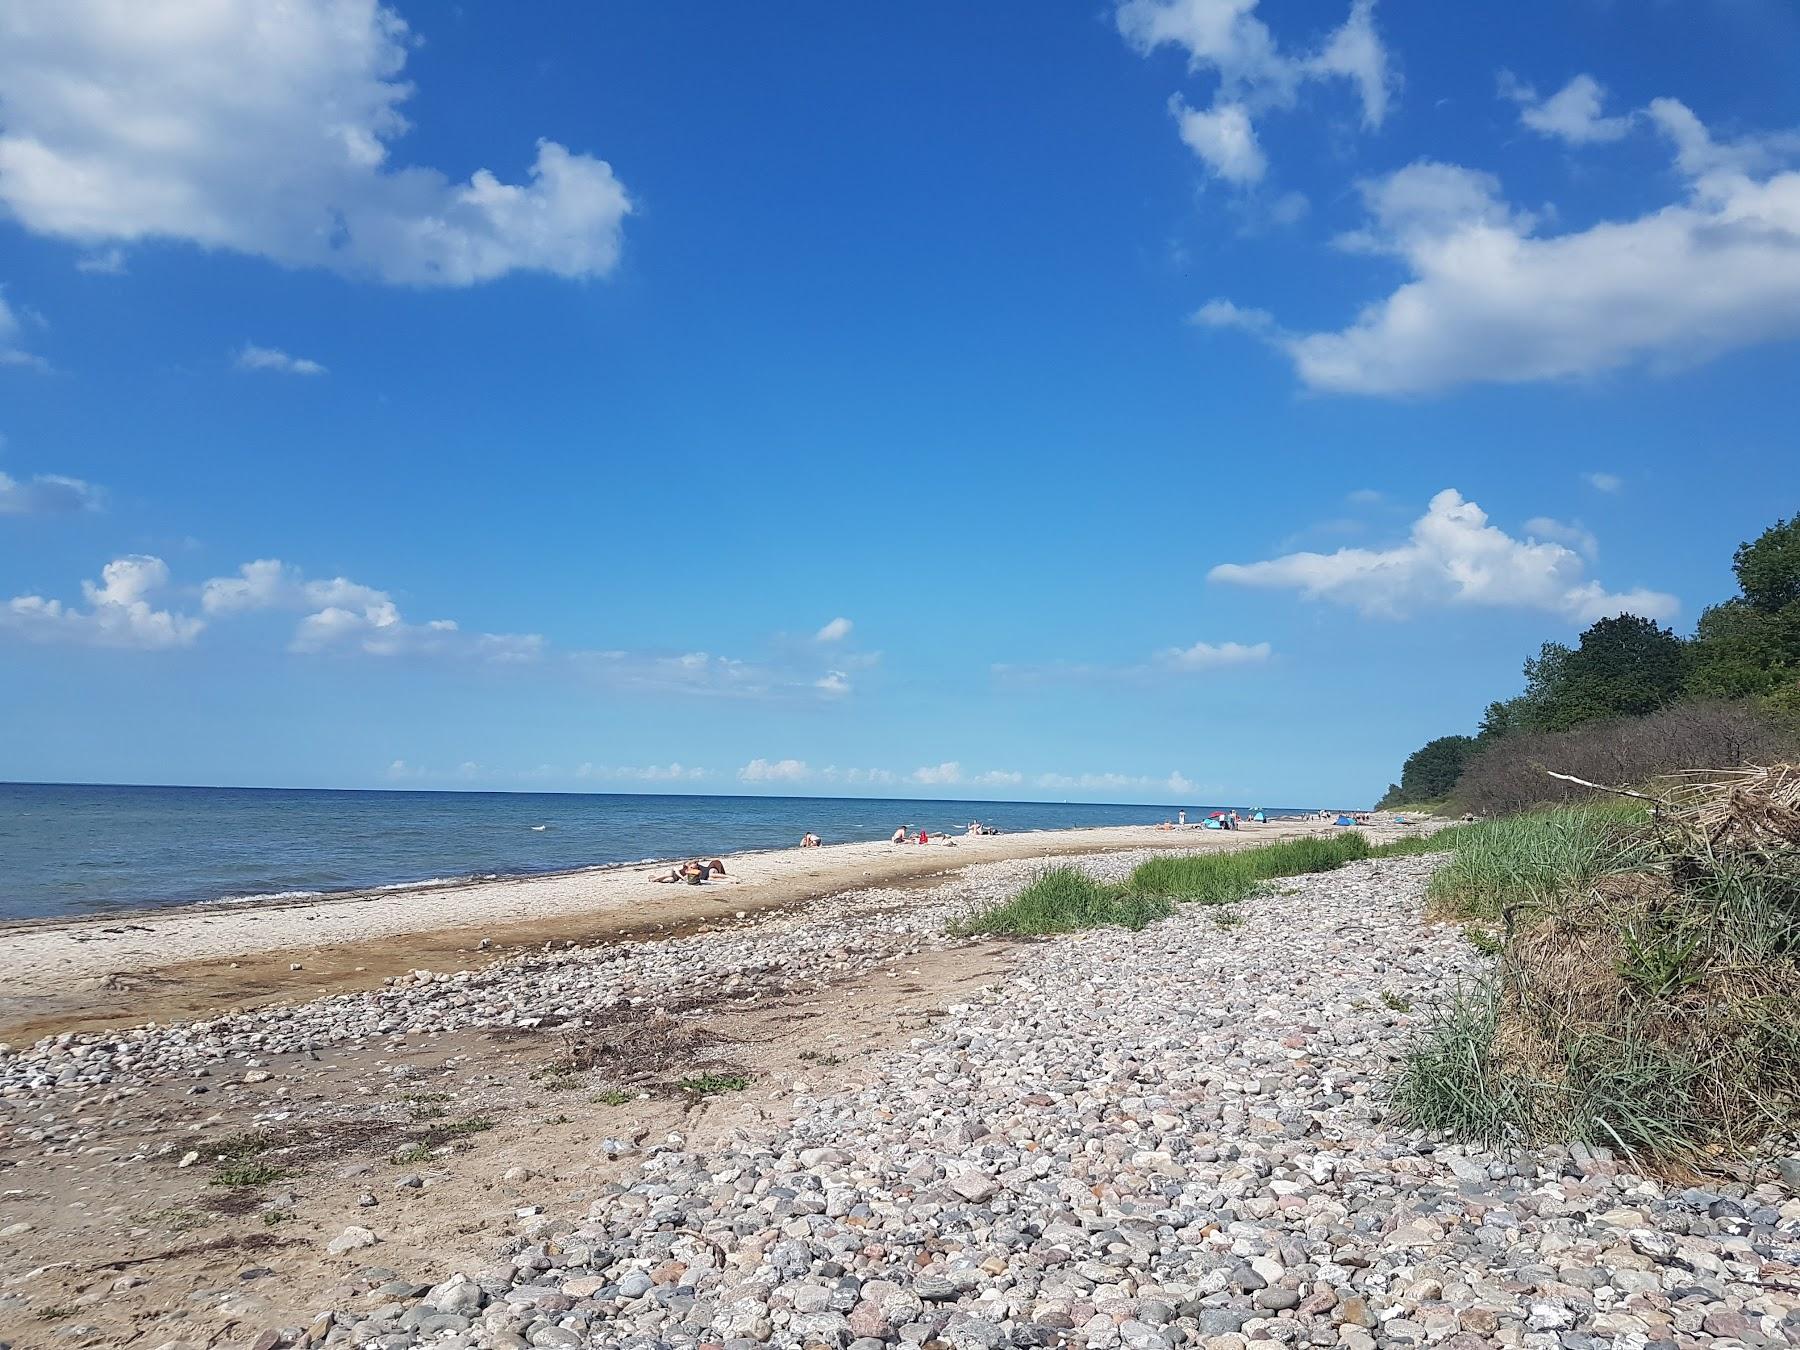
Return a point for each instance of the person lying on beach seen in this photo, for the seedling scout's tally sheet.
(694, 871)
(810, 840)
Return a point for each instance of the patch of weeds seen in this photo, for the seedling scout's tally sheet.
(412, 1153)
(271, 1217)
(1395, 1002)
(428, 1111)
(821, 1059)
(415, 1097)
(559, 1077)
(55, 1313)
(175, 1219)
(706, 1084)
(559, 1120)
(248, 1173)
(1656, 962)
(612, 1097)
(1228, 918)
(1484, 940)
(457, 1129)
(239, 1147)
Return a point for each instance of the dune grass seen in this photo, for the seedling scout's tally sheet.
(1524, 861)
(1067, 900)
(1414, 845)
(1643, 993)
(1224, 878)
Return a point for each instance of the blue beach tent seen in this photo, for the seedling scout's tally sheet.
(1343, 820)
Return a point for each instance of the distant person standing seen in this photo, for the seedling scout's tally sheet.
(1181, 817)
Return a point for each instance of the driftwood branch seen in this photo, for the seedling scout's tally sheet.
(1602, 787)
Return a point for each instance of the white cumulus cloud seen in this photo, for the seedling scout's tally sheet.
(1491, 297)
(269, 129)
(252, 357)
(1454, 557)
(835, 631)
(833, 682)
(120, 611)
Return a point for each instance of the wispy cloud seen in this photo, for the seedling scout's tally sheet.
(252, 357)
(774, 771)
(1453, 557)
(1254, 73)
(12, 350)
(1169, 663)
(46, 494)
(835, 631)
(1574, 114)
(339, 614)
(1603, 482)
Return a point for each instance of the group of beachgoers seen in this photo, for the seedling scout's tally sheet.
(1218, 820)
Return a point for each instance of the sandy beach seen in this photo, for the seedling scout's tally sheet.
(127, 967)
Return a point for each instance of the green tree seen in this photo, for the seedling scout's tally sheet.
(1750, 644)
(1622, 667)
(1432, 770)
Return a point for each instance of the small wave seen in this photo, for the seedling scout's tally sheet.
(540, 827)
(263, 897)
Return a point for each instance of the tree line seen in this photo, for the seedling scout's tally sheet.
(1740, 669)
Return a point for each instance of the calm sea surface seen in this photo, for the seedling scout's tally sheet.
(82, 849)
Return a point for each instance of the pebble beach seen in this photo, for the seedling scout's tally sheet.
(1175, 1137)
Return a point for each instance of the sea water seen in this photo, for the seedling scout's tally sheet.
(67, 849)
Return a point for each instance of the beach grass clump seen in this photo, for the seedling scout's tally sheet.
(1502, 866)
(1644, 998)
(1417, 845)
(1226, 877)
(248, 1174)
(1067, 900)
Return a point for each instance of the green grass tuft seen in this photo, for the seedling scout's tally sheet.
(1067, 900)
(1525, 861)
(248, 1174)
(1226, 877)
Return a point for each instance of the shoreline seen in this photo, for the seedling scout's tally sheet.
(132, 966)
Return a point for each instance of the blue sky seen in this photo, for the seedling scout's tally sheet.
(1154, 401)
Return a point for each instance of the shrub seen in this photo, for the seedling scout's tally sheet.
(1508, 774)
(1067, 900)
(1646, 1003)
